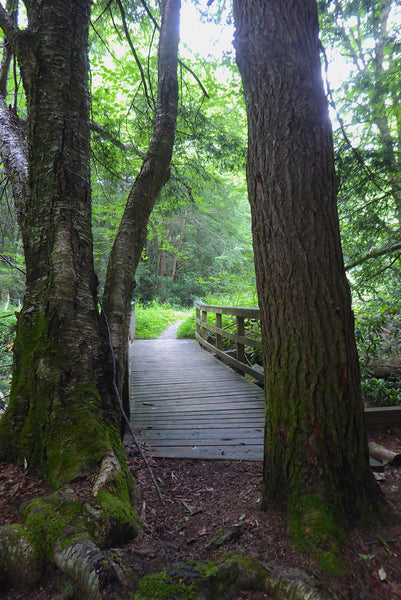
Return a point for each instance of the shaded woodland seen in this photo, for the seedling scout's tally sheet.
(127, 165)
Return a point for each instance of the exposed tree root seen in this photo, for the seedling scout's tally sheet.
(19, 563)
(71, 534)
(242, 574)
(85, 564)
(63, 531)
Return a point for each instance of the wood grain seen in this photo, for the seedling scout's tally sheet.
(187, 404)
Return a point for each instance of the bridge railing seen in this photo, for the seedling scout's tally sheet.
(383, 415)
(240, 338)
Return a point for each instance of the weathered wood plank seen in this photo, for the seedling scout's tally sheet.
(202, 452)
(187, 404)
(202, 434)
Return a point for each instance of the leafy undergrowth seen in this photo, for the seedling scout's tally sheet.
(7, 332)
(187, 328)
(211, 512)
(152, 319)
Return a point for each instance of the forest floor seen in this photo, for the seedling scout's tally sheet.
(211, 509)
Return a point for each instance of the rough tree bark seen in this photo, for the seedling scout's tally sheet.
(316, 457)
(63, 417)
(59, 393)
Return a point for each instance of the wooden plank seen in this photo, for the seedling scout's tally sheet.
(385, 415)
(207, 425)
(202, 434)
(185, 403)
(254, 453)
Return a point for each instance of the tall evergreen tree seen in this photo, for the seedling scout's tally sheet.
(316, 459)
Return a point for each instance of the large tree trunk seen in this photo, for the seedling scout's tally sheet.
(63, 417)
(316, 458)
(155, 172)
(58, 396)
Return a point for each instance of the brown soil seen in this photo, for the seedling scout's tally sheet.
(211, 508)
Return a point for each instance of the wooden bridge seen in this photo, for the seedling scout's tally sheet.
(186, 404)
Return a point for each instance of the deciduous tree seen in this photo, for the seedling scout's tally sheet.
(63, 416)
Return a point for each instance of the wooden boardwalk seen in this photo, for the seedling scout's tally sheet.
(187, 404)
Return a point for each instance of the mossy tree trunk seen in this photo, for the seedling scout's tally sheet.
(316, 457)
(63, 417)
(63, 408)
(60, 392)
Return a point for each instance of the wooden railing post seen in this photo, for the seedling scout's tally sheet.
(219, 339)
(204, 320)
(240, 332)
(198, 328)
(240, 340)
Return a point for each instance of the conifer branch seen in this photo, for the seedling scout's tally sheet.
(373, 254)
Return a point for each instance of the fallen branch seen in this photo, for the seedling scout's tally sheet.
(385, 456)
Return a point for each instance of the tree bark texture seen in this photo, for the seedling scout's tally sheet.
(58, 397)
(155, 172)
(315, 443)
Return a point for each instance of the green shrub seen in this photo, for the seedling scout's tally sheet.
(248, 299)
(378, 337)
(187, 329)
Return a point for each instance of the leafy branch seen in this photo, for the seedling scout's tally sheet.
(107, 135)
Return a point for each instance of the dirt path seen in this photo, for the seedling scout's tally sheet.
(171, 332)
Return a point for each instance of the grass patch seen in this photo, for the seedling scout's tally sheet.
(152, 319)
(187, 329)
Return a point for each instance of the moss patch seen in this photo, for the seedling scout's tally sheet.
(77, 439)
(316, 533)
(48, 521)
(163, 587)
(118, 521)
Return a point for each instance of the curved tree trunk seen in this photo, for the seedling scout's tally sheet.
(316, 458)
(155, 172)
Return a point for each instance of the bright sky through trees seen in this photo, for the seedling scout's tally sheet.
(207, 37)
(203, 37)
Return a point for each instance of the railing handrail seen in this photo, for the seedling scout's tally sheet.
(240, 338)
(240, 311)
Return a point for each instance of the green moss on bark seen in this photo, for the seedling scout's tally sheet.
(34, 377)
(78, 439)
(316, 533)
(51, 521)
